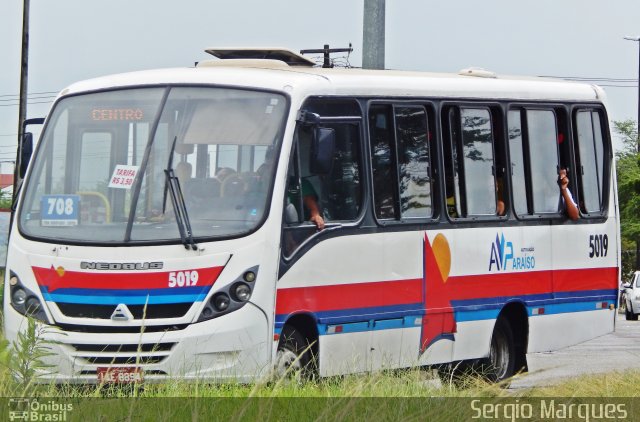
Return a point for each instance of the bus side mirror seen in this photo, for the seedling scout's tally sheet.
(291, 214)
(26, 149)
(322, 149)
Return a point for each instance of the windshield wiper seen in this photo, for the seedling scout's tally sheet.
(180, 210)
(169, 167)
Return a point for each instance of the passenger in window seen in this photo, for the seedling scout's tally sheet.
(500, 207)
(569, 205)
(310, 202)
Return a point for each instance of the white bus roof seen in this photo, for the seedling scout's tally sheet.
(262, 74)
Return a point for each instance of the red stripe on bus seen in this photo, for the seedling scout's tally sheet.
(53, 280)
(403, 292)
(347, 296)
(534, 282)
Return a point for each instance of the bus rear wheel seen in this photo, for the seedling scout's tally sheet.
(501, 363)
(295, 358)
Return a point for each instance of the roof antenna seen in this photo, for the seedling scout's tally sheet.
(326, 52)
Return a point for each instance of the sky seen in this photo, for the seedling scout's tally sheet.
(71, 40)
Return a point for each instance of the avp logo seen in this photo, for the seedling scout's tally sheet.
(503, 256)
(499, 257)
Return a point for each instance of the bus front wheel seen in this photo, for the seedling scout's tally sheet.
(294, 358)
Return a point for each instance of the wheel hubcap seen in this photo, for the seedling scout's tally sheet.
(287, 363)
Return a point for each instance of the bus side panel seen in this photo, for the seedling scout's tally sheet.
(490, 267)
(365, 292)
(572, 328)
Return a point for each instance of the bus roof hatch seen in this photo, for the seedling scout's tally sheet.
(281, 54)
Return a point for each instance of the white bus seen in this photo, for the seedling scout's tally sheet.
(164, 226)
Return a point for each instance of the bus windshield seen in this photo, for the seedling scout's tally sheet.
(100, 174)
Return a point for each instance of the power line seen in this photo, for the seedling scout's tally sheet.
(31, 98)
(31, 93)
(34, 102)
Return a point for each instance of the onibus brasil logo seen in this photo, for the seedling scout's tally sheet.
(504, 258)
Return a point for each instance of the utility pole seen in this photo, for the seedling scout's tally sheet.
(373, 34)
(637, 39)
(22, 109)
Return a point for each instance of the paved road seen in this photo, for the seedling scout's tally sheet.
(608, 353)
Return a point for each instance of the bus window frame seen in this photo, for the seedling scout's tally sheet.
(334, 226)
(607, 156)
(498, 123)
(431, 112)
(542, 106)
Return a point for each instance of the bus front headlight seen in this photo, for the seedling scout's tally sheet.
(241, 292)
(25, 301)
(220, 302)
(230, 297)
(18, 297)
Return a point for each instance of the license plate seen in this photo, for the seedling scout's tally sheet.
(124, 375)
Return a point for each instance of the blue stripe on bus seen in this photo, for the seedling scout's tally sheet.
(371, 325)
(347, 316)
(465, 315)
(537, 299)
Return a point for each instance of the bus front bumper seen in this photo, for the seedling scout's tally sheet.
(235, 347)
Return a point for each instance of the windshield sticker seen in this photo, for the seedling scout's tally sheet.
(123, 176)
(59, 210)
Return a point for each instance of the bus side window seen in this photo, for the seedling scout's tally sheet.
(340, 191)
(451, 132)
(517, 150)
(414, 162)
(469, 164)
(383, 161)
(590, 161)
(337, 194)
(534, 155)
(477, 141)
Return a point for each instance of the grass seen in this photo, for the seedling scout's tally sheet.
(393, 395)
(403, 383)
(412, 394)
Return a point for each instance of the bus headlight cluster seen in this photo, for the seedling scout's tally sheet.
(24, 300)
(221, 302)
(231, 297)
(241, 292)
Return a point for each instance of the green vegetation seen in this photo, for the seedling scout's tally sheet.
(628, 178)
(5, 201)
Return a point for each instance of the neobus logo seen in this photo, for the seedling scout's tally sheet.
(139, 266)
(502, 256)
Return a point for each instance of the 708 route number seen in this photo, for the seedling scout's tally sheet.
(183, 278)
